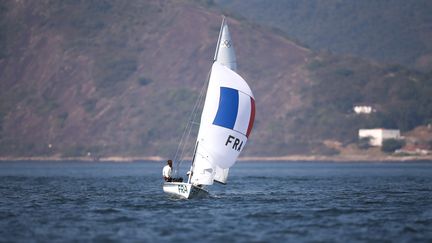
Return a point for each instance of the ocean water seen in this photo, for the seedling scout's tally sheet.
(263, 202)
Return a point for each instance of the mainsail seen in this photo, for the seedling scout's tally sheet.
(227, 117)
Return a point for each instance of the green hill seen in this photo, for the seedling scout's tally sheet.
(121, 77)
(395, 31)
(400, 97)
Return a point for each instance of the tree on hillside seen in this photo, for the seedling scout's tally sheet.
(391, 145)
(364, 143)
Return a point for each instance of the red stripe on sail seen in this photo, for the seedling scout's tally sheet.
(252, 117)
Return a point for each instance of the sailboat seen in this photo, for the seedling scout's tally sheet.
(226, 123)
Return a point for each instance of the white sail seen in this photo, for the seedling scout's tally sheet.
(221, 175)
(225, 53)
(226, 122)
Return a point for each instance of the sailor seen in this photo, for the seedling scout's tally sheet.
(166, 172)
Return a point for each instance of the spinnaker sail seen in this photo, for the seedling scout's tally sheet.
(226, 122)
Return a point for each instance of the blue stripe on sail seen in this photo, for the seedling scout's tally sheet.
(228, 107)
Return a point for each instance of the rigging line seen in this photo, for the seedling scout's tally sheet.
(192, 164)
(193, 118)
(188, 128)
(183, 140)
(183, 147)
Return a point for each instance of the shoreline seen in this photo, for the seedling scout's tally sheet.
(289, 158)
(340, 158)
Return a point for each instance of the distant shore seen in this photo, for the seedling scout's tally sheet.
(340, 158)
(290, 158)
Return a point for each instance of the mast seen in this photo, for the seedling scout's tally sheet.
(219, 38)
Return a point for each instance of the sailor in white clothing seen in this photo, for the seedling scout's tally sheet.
(166, 172)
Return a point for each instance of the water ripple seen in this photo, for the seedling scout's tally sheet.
(273, 202)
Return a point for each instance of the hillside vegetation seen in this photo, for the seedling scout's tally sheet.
(395, 31)
(399, 96)
(121, 78)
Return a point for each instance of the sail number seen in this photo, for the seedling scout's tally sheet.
(234, 142)
(182, 188)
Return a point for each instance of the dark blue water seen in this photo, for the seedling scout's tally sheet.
(263, 202)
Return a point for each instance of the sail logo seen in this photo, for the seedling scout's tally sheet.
(236, 143)
(226, 44)
(236, 111)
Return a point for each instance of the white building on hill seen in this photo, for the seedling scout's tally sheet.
(378, 135)
(363, 109)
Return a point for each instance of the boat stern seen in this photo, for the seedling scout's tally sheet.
(177, 189)
(183, 190)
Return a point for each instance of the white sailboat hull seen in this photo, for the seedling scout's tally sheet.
(183, 190)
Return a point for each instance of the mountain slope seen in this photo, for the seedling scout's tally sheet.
(393, 31)
(121, 78)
